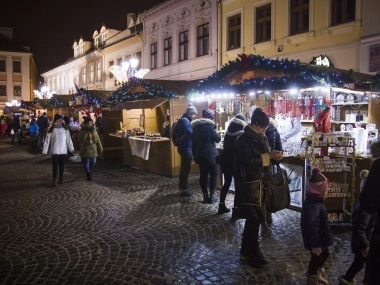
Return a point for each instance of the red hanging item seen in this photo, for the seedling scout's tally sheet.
(322, 118)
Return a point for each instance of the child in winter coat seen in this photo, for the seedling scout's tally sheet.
(315, 227)
(3, 128)
(362, 225)
(33, 130)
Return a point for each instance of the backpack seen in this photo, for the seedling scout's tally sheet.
(177, 133)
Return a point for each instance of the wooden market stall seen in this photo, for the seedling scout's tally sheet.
(149, 115)
(290, 91)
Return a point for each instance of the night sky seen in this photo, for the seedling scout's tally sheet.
(49, 27)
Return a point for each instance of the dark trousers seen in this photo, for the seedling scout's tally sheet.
(206, 168)
(250, 240)
(185, 171)
(58, 163)
(373, 262)
(317, 261)
(356, 266)
(226, 186)
(18, 134)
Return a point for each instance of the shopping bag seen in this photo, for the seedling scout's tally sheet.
(277, 192)
(12, 132)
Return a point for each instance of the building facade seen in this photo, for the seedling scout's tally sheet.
(181, 40)
(18, 71)
(299, 30)
(89, 66)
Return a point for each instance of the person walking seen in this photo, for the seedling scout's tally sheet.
(252, 169)
(204, 152)
(274, 141)
(33, 131)
(315, 228)
(185, 149)
(370, 203)
(43, 125)
(16, 126)
(3, 128)
(90, 145)
(235, 128)
(59, 140)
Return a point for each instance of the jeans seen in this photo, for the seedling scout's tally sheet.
(18, 134)
(58, 163)
(89, 163)
(205, 169)
(185, 171)
(318, 261)
(356, 266)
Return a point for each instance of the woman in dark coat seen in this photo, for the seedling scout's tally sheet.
(252, 165)
(370, 203)
(204, 153)
(235, 128)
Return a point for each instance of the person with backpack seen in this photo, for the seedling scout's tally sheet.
(43, 124)
(182, 138)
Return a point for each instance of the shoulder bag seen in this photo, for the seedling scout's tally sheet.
(277, 192)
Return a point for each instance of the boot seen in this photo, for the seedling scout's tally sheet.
(343, 281)
(235, 213)
(213, 198)
(205, 198)
(223, 209)
(245, 249)
(60, 179)
(54, 182)
(321, 279)
(312, 279)
(257, 257)
(88, 174)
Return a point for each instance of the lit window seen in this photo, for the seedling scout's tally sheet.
(202, 39)
(110, 64)
(17, 90)
(96, 42)
(92, 73)
(104, 38)
(84, 76)
(99, 75)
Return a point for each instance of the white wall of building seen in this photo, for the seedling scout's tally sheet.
(168, 20)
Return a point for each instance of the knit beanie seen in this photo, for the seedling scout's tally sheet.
(259, 118)
(57, 117)
(191, 110)
(240, 116)
(318, 183)
(207, 114)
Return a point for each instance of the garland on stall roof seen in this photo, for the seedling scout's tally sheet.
(298, 75)
(152, 92)
(55, 102)
(91, 100)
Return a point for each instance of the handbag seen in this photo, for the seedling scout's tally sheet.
(12, 132)
(277, 192)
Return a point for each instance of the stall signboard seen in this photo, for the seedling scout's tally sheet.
(296, 185)
(322, 60)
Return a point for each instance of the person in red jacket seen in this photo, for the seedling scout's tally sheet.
(3, 128)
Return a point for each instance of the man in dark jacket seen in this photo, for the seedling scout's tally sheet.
(185, 149)
(252, 168)
(370, 203)
(43, 124)
(16, 126)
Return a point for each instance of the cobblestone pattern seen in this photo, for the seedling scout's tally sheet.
(131, 227)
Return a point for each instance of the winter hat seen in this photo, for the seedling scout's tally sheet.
(191, 110)
(240, 116)
(86, 120)
(318, 183)
(259, 118)
(57, 117)
(207, 114)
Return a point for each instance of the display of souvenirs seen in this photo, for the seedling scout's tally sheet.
(140, 133)
(328, 164)
(336, 217)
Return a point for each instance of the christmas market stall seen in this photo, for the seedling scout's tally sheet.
(141, 115)
(306, 101)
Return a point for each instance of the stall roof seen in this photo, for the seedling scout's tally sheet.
(179, 87)
(141, 104)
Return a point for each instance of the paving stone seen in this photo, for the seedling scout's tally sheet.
(128, 226)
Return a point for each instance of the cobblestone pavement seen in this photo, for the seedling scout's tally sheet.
(131, 227)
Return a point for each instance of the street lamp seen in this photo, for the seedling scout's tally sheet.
(45, 93)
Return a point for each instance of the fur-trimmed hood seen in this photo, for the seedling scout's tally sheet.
(235, 127)
(202, 121)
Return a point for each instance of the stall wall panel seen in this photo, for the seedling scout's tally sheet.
(151, 120)
(132, 119)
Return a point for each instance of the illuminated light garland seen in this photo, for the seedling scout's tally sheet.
(298, 75)
(55, 102)
(91, 100)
